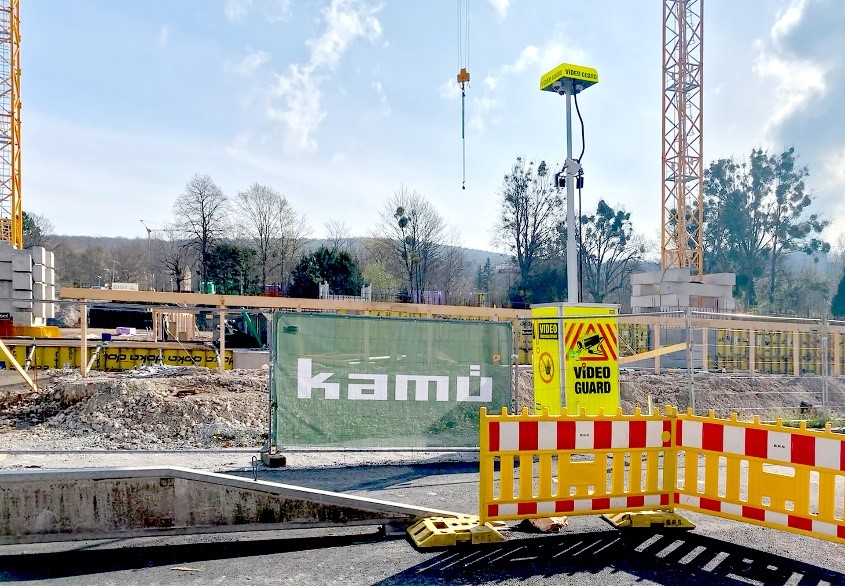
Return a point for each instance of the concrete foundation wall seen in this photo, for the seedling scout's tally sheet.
(53, 505)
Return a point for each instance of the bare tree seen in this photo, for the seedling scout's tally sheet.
(127, 264)
(530, 214)
(411, 234)
(201, 213)
(276, 230)
(338, 236)
(37, 231)
(452, 271)
(175, 255)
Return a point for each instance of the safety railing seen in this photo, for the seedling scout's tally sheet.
(781, 477)
(573, 464)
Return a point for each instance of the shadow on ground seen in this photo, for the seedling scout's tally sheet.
(96, 560)
(363, 478)
(684, 558)
(677, 558)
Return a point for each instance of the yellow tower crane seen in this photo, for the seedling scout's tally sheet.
(11, 211)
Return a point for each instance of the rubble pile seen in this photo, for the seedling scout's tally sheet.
(151, 408)
(166, 407)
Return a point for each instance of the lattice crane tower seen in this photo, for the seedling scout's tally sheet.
(11, 212)
(683, 202)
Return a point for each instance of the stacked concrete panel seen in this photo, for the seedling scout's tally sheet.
(27, 284)
(43, 285)
(672, 289)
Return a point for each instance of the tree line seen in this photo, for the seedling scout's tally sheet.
(758, 218)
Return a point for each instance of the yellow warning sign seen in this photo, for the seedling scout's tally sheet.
(546, 359)
(591, 358)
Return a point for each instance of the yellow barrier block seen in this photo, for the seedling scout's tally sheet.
(448, 531)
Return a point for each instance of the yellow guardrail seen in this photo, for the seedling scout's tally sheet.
(581, 464)
(781, 477)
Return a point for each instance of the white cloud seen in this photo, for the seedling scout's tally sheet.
(501, 7)
(449, 89)
(346, 21)
(788, 19)
(775, 63)
(382, 98)
(300, 112)
(531, 59)
(237, 9)
(272, 10)
(295, 101)
(833, 171)
(249, 64)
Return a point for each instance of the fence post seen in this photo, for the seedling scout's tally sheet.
(825, 365)
(690, 361)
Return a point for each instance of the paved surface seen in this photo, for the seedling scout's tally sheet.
(587, 552)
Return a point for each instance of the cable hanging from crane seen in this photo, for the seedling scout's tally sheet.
(463, 74)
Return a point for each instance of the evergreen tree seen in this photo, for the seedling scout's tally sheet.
(837, 305)
(336, 267)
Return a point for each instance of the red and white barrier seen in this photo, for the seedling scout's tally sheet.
(522, 436)
(756, 514)
(788, 447)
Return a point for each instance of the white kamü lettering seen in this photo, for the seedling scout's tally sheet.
(373, 391)
(485, 387)
(421, 386)
(306, 382)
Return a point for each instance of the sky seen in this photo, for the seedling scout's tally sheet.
(337, 103)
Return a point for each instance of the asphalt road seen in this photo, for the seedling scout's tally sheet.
(586, 552)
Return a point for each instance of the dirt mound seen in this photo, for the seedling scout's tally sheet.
(191, 407)
(154, 408)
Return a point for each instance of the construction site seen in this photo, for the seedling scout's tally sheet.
(183, 434)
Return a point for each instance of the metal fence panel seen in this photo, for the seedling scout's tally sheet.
(359, 381)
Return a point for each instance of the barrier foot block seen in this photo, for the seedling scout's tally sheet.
(648, 520)
(449, 531)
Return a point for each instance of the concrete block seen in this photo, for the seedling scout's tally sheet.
(5, 306)
(6, 251)
(726, 304)
(50, 260)
(674, 300)
(22, 318)
(50, 276)
(728, 279)
(22, 294)
(21, 261)
(22, 281)
(252, 359)
(50, 292)
(696, 289)
(39, 255)
(6, 271)
(39, 290)
(648, 278)
(675, 276)
(42, 310)
(646, 301)
(39, 273)
(6, 289)
(21, 304)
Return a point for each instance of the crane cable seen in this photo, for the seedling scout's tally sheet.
(463, 75)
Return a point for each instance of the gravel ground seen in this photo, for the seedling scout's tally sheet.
(178, 408)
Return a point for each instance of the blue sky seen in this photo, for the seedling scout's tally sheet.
(336, 103)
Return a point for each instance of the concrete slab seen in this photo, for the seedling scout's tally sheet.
(100, 503)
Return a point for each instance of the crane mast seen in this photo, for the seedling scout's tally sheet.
(682, 215)
(11, 212)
